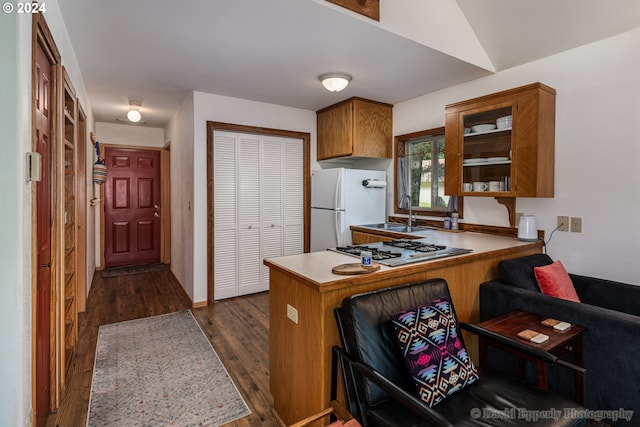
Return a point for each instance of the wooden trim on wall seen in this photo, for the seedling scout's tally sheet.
(183, 292)
(306, 171)
(41, 35)
(165, 208)
(368, 8)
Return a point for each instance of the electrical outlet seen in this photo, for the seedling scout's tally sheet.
(563, 223)
(292, 314)
(576, 224)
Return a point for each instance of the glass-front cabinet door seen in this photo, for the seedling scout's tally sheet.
(502, 145)
(487, 148)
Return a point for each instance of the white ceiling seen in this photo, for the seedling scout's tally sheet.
(274, 50)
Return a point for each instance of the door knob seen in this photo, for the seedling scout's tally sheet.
(156, 207)
(47, 265)
(156, 214)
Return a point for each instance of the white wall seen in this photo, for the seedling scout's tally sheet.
(208, 107)
(123, 134)
(91, 192)
(438, 24)
(15, 220)
(597, 176)
(179, 132)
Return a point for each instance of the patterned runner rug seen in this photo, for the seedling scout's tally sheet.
(160, 371)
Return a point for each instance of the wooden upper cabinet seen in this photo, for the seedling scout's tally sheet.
(355, 127)
(518, 160)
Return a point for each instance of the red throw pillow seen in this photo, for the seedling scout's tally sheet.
(554, 280)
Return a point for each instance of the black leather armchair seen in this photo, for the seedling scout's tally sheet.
(380, 392)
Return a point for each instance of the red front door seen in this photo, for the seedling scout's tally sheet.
(42, 83)
(132, 207)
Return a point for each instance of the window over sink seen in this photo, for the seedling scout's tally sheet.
(419, 170)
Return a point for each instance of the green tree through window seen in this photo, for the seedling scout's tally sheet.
(425, 161)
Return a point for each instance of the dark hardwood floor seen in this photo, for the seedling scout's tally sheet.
(238, 329)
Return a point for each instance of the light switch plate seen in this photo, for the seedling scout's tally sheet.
(576, 224)
(33, 167)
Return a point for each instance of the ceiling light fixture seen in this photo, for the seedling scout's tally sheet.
(134, 105)
(335, 82)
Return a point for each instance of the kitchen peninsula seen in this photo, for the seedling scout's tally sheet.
(304, 292)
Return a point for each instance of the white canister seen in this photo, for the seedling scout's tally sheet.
(528, 228)
(365, 258)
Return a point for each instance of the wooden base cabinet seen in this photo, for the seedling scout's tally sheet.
(355, 128)
(516, 160)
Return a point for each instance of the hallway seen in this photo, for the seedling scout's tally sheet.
(238, 329)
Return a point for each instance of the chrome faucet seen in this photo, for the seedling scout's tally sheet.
(409, 220)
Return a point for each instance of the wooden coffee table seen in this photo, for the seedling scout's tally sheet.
(559, 343)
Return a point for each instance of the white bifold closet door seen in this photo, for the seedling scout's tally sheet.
(258, 208)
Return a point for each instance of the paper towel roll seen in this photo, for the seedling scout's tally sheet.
(374, 183)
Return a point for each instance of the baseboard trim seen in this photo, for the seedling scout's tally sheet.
(277, 417)
(186, 295)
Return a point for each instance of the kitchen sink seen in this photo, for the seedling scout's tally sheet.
(394, 226)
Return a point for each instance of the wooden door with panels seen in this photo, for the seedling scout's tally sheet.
(44, 77)
(132, 207)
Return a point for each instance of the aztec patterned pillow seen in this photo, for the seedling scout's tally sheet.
(434, 354)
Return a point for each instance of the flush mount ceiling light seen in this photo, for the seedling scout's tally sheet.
(134, 105)
(335, 82)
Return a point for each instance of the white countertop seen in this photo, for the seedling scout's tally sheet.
(316, 267)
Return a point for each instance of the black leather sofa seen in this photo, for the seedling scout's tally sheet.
(610, 312)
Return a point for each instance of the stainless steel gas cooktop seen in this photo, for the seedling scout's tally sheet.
(401, 252)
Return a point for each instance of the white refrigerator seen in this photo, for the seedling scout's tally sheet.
(343, 197)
